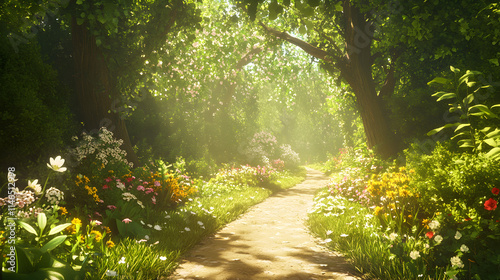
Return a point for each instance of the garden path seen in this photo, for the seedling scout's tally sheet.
(270, 241)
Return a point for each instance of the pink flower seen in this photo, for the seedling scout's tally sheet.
(126, 220)
(111, 207)
(140, 188)
(108, 179)
(130, 179)
(149, 190)
(105, 187)
(153, 199)
(157, 184)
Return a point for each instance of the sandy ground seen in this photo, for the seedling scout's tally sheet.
(270, 241)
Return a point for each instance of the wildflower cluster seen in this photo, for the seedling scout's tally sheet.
(351, 187)
(101, 152)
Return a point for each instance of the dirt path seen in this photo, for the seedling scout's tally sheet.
(270, 241)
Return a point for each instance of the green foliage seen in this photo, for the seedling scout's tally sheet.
(477, 126)
(35, 116)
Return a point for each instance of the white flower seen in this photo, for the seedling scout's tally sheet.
(456, 261)
(438, 238)
(111, 273)
(464, 248)
(200, 223)
(120, 185)
(414, 254)
(328, 232)
(54, 196)
(458, 235)
(434, 225)
(393, 236)
(146, 236)
(344, 235)
(157, 227)
(56, 164)
(122, 260)
(328, 240)
(163, 258)
(35, 186)
(187, 229)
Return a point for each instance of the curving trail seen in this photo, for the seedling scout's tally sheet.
(270, 241)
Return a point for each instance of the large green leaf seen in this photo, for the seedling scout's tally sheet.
(439, 80)
(494, 153)
(42, 222)
(444, 95)
(52, 244)
(484, 110)
(29, 228)
(434, 131)
(491, 142)
(24, 262)
(462, 126)
(59, 228)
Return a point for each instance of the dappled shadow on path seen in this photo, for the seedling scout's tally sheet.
(269, 242)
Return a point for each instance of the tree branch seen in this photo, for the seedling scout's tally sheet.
(308, 48)
(247, 58)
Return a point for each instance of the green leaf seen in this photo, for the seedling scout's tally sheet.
(52, 244)
(462, 126)
(101, 19)
(79, 2)
(494, 133)
(494, 153)
(434, 131)
(444, 95)
(24, 264)
(339, 7)
(439, 80)
(468, 100)
(465, 143)
(491, 142)
(59, 228)
(42, 222)
(494, 61)
(454, 70)
(484, 111)
(80, 21)
(28, 228)
(302, 29)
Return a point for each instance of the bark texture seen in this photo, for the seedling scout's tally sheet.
(95, 89)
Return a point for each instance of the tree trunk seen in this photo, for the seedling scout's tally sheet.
(95, 90)
(357, 71)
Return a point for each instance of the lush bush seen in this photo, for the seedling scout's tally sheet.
(438, 215)
(34, 108)
(263, 149)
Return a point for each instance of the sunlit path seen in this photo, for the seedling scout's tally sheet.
(270, 241)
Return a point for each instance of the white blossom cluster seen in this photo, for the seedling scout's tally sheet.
(23, 198)
(54, 196)
(105, 148)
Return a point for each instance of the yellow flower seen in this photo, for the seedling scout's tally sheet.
(76, 221)
(377, 210)
(64, 211)
(108, 230)
(98, 235)
(110, 244)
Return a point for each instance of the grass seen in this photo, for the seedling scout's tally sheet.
(185, 227)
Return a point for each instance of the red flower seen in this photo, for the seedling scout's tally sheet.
(429, 234)
(490, 204)
(495, 191)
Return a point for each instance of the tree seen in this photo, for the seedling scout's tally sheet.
(362, 41)
(113, 42)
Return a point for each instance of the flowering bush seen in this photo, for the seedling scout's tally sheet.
(96, 155)
(263, 149)
(289, 156)
(351, 188)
